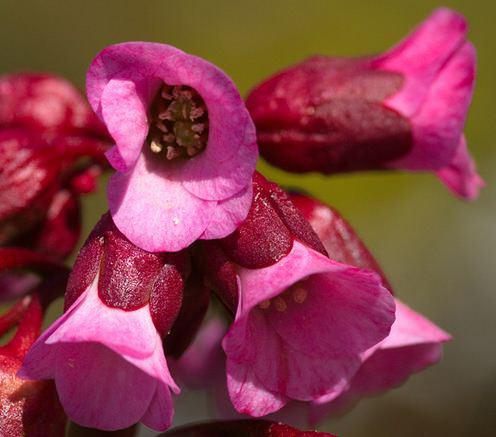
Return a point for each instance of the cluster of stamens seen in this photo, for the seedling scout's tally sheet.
(178, 123)
(297, 294)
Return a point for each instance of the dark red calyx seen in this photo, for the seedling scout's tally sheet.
(241, 428)
(327, 114)
(178, 123)
(219, 272)
(196, 300)
(266, 236)
(339, 238)
(166, 297)
(130, 277)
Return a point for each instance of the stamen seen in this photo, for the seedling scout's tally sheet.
(156, 147)
(264, 304)
(280, 304)
(300, 294)
(179, 123)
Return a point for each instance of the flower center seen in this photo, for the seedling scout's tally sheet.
(296, 293)
(178, 123)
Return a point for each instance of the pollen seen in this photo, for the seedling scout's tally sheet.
(178, 123)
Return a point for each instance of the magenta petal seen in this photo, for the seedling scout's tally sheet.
(41, 359)
(354, 310)
(125, 332)
(161, 411)
(153, 209)
(461, 176)
(421, 56)
(99, 389)
(124, 113)
(438, 126)
(229, 214)
(248, 395)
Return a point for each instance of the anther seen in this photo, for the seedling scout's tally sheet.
(300, 294)
(264, 304)
(156, 147)
(280, 304)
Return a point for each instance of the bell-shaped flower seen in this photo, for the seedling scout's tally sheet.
(185, 146)
(105, 352)
(301, 319)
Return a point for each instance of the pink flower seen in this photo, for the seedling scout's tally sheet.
(302, 320)
(404, 109)
(105, 353)
(185, 144)
(414, 343)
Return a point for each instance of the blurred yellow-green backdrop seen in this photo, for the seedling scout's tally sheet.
(438, 251)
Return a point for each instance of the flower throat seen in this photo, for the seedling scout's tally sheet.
(178, 123)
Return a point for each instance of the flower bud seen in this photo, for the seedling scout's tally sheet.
(404, 109)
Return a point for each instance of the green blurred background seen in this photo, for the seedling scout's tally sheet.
(438, 251)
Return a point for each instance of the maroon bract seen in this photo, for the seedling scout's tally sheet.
(404, 109)
(51, 151)
(28, 407)
(242, 428)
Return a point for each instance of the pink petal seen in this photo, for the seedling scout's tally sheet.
(161, 410)
(356, 312)
(154, 211)
(460, 176)
(130, 333)
(229, 214)
(125, 115)
(248, 395)
(99, 389)
(421, 56)
(438, 126)
(41, 359)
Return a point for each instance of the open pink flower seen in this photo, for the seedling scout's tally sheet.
(404, 109)
(414, 343)
(105, 353)
(299, 329)
(302, 320)
(185, 145)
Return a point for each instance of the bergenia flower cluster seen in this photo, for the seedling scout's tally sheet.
(307, 319)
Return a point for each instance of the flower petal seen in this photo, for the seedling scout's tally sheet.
(229, 214)
(461, 176)
(153, 210)
(248, 395)
(99, 389)
(421, 56)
